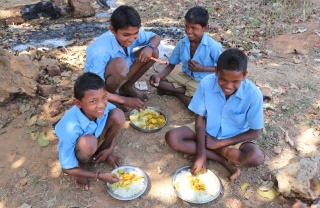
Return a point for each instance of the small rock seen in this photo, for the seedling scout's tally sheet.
(159, 169)
(277, 149)
(46, 90)
(52, 108)
(54, 70)
(266, 92)
(25, 205)
(23, 173)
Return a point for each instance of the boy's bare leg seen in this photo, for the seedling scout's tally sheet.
(166, 88)
(183, 139)
(86, 146)
(248, 154)
(115, 72)
(136, 71)
(113, 125)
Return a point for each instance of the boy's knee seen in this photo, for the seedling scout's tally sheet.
(117, 117)
(169, 138)
(256, 159)
(118, 66)
(86, 146)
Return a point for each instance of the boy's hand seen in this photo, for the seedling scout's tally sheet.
(199, 164)
(135, 103)
(109, 177)
(102, 156)
(212, 142)
(145, 54)
(154, 80)
(195, 66)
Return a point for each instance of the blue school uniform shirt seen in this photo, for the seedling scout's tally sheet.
(106, 47)
(227, 118)
(207, 54)
(73, 125)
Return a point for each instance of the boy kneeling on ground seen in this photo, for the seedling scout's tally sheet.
(87, 131)
(229, 117)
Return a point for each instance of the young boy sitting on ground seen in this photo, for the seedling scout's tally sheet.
(111, 56)
(87, 131)
(197, 52)
(229, 117)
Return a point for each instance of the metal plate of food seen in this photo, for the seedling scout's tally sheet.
(133, 183)
(148, 120)
(200, 189)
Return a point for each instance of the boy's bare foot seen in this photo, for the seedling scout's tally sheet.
(133, 93)
(114, 161)
(81, 183)
(234, 171)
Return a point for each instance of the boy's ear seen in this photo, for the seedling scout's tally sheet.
(205, 28)
(245, 75)
(112, 29)
(77, 102)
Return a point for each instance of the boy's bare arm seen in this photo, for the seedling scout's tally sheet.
(135, 103)
(197, 67)
(155, 78)
(80, 172)
(201, 156)
(214, 143)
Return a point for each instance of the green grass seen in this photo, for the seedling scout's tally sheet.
(295, 106)
(311, 86)
(4, 193)
(266, 138)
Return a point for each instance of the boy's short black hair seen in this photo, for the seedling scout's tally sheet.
(125, 16)
(232, 60)
(87, 81)
(198, 15)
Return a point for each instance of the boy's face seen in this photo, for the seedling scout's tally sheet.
(194, 31)
(125, 36)
(93, 103)
(230, 81)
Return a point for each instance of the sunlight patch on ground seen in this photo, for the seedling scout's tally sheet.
(18, 163)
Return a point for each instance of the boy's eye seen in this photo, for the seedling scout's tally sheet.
(92, 101)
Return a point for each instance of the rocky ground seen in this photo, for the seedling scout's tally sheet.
(284, 61)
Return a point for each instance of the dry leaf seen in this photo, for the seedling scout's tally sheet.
(244, 187)
(270, 194)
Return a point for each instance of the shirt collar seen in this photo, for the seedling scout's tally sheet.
(115, 44)
(204, 40)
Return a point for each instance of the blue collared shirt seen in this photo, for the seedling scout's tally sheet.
(73, 125)
(207, 54)
(106, 47)
(228, 118)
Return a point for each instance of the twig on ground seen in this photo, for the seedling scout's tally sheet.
(287, 138)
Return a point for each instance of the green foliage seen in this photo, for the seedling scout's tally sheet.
(266, 138)
(4, 193)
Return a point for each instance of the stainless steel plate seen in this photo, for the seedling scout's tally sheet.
(128, 168)
(217, 181)
(147, 130)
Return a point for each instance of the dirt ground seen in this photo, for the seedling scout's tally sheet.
(31, 175)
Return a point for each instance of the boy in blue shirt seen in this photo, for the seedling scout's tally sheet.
(197, 52)
(111, 56)
(87, 131)
(229, 116)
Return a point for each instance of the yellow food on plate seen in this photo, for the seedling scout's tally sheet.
(148, 119)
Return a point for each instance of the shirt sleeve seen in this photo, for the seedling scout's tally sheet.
(255, 112)
(143, 38)
(67, 133)
(197, 104)
(215, 51)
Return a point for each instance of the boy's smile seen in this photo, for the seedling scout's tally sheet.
(125, 36)
(195, 31)
(230, 81)
(93, 103)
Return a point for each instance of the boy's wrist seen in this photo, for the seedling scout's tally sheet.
(151, 46)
